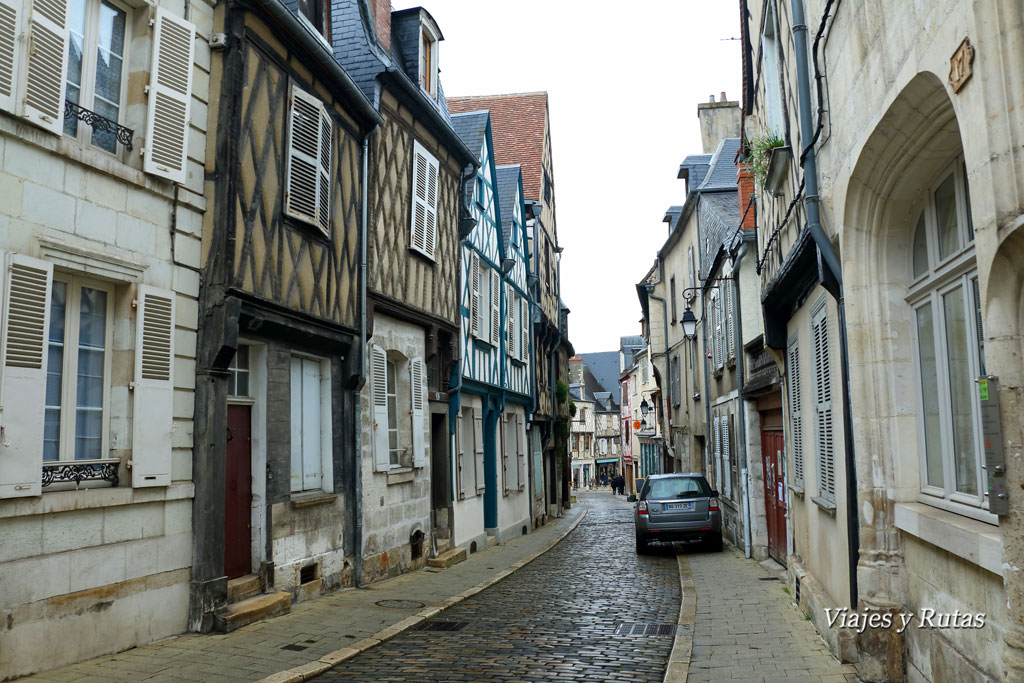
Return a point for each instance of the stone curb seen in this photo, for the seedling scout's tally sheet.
(682, 647)
(333, 659)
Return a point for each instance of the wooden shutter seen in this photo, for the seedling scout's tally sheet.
(306, 425)
(424, 200)
(170, 96)
(726, 457)
(433, 170)
(11, 54)
(460, 469)
(478, 450)
(381, 454)
(505, 474)
(495, 307)
(521, 450)
(718, 454)
(153, 399)
(823, 407)
(719, 332)
(730, 331)
(417, 388)
(310, 153)
(510, 315)
(46, 63)
(474, 312)
(796, 436)
(524, 347)
(26, 323)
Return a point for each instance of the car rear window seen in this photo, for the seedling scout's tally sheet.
(676, 487)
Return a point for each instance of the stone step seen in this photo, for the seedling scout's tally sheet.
(443, 545)
(492, 541)
(253, 609)
(243, 587)
(448, 558)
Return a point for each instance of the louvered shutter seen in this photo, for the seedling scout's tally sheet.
(796, 437)
(478, 450)
(505, 455)
(495, 307)
(510, 306)
(310, 155)
(424, 200)
(11, 54)
(823, 407)
(433, 169)
(170, 96)
(26, 323)
(419, 438)
(153, 400)
(521, 450)
(460, 458)
(726, 457)
(46, 63)
(381, 454)
(719, 348)
(474, 313)
(730, 332)
(524, 347)
(718, 454)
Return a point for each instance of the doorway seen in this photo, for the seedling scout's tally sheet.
(440, 475)
(238, 493)
(772, 453)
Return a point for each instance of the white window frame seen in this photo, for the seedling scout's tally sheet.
(326, 443)
(393, 398)
(432, 45)
(90, 44)
(69, 370)
(958, 271)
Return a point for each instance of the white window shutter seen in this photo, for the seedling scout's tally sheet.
(153, 399)
(726, 458)
(718, 454)
(25, 299)
(46, 63)
(510, 306)
(730, 332)
(795, 413)
(11, 54)
(495, 307)
(521, 453)
(433, 170)
(823, 407)
(505, 455)
(307, 195)
(379, 381)
(460, 468)
(474, 313)
(478, 450)
(524, 348)
(170, 96)
(423, 231)
(419, 439)
(311, 425)
(326, 160)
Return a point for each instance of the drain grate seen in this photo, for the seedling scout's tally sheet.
(645, 630)
(400, 604)
(296, 648)
(446, 626)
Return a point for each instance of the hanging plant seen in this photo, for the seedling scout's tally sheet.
(760, 155)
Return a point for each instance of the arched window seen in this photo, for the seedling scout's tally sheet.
(949, 344)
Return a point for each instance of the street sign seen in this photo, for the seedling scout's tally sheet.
(636, 424)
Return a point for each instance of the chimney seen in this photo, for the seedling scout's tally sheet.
(722, 99)
(745, 191)
(382, 23)
(718, 120)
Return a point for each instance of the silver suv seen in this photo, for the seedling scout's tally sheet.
(677, 507)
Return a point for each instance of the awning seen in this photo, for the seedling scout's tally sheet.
(604, 460)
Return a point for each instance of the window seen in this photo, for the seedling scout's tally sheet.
(773, 121)
(796, 420)
(693, 272)
(513, 453)
(730, 332)
(238, 383)
(424, 201)
(672, 288)
(949, 343)
(96, 71)
(398, 391)
(694, 375)
(823, 402)
(317, 14)
(310, 160)
(547, 187)
(78, 370)
(395, 449)
(428, 61)
(310, 424)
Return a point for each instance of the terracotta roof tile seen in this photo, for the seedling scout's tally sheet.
(517, 126)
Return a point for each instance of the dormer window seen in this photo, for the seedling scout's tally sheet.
(317, 15)
(428, 61)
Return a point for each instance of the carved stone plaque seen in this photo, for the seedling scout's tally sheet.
(960, 65)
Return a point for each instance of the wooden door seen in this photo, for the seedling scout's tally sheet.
(772, 452)
(238, 494)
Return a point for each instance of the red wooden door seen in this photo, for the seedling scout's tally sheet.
(238, 496)
(772, 453)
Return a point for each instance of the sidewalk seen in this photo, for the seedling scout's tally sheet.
(320, 632)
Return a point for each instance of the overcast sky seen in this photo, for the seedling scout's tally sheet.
(623, 82)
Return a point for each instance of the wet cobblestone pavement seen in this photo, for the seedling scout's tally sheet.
(555, 619)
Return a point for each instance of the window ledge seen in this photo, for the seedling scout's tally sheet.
(826, 505)
(92, 498)
(311, 499)
(483, 345)
(798, 490)
(974, 541)
(401, 475)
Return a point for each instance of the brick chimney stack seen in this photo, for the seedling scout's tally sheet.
(382, 22)
(745, 190)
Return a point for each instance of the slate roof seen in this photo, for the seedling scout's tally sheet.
(722, 174)
(604, 366)
(517, 127)
(672, 217)
(472, 128)
(719, 203)
(694, 168)
(508, 185)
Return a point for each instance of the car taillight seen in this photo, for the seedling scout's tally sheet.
(641, 507)
(712, 505)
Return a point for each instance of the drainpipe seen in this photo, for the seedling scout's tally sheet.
(357, 486)
(738, 331)
(828, 255)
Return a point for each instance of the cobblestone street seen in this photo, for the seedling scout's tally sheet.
(557, 618)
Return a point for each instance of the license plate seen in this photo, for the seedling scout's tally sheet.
(683, 507)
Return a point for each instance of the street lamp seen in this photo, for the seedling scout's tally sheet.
(644, 407)
(689, 324)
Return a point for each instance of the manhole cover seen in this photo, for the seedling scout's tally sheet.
(440, 626)
(400, 604)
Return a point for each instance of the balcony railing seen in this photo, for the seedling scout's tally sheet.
(101, 123)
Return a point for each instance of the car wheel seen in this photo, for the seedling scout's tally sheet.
(715, 544)
(641, 546)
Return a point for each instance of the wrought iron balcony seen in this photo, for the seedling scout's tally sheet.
(101, 123)
(82, 470)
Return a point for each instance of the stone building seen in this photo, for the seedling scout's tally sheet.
(522, 135)
(581, 438)
(890, 244)
(101, 209)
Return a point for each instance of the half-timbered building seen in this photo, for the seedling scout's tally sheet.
(280, 354)
(102, 127)
(416, 163)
